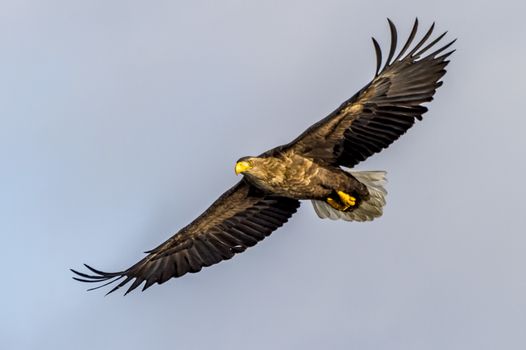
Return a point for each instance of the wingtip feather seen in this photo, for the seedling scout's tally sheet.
(378, 51)
(394, 39)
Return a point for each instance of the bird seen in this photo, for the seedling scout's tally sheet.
(317, 166)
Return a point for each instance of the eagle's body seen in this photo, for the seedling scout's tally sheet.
(286, 173)
(309, 168)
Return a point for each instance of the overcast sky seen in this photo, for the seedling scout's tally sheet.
(121, 122)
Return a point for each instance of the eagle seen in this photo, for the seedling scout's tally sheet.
(316, 166)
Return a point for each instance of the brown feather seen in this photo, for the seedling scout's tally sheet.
(383, 110)
(239, 219)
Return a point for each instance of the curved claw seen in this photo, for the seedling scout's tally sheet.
(346, 201)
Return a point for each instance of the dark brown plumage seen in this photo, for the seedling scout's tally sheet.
(308, 168)
(240, 218)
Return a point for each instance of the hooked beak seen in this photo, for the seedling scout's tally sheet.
(242, 166)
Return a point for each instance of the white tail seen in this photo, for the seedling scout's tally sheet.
(369, 209)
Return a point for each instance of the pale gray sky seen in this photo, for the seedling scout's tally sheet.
(121, 121)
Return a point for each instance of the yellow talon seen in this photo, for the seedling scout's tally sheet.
(335, 204)
(348, 200)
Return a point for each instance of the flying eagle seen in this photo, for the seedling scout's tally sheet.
(309, 168)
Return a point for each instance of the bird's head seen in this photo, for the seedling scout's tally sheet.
(257, 169)
(245, 164)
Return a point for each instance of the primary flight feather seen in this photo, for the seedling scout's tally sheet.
(308, 168)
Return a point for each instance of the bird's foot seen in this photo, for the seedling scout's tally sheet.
(346, 201)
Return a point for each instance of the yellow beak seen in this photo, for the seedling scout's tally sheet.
(241, 167)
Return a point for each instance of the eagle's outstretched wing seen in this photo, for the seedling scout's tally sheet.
(240, 218)
(384, 109)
